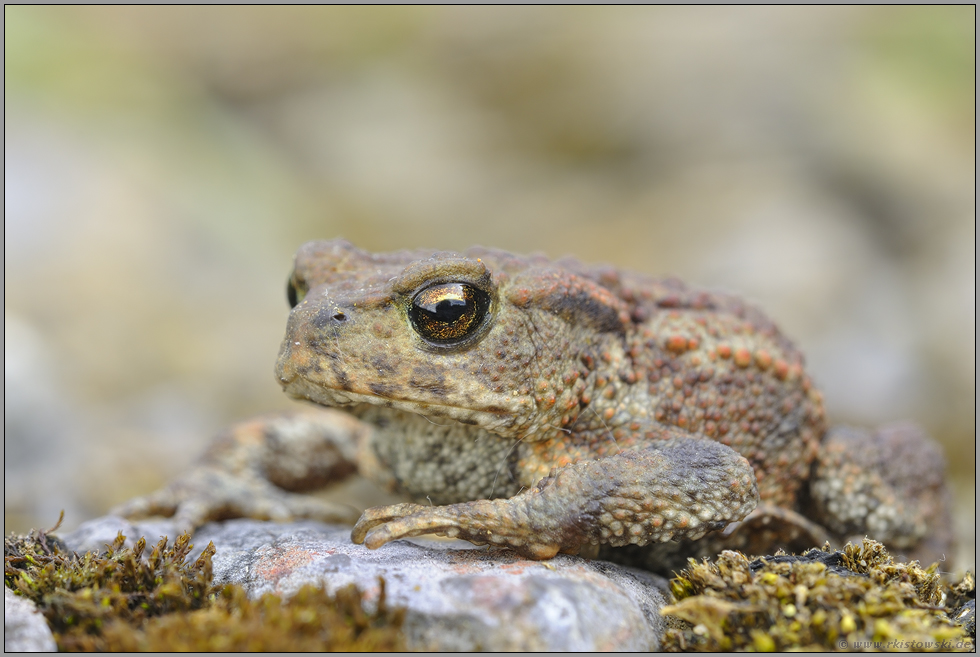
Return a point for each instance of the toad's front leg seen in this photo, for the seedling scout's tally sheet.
(259, 469)
(677, 488)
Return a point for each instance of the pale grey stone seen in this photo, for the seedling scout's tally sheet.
(457, 597)
(24, 628)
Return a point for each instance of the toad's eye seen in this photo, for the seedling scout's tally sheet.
(295, 291)
(446, 314)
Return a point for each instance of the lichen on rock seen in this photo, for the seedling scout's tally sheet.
(857, 598)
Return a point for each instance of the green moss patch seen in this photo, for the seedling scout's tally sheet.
(125, 600)
(857, 598)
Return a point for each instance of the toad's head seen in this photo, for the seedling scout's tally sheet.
(506, 343)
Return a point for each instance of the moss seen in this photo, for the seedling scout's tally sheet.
(311, 620)
(857, 598)
(122, 600)
(963, 591)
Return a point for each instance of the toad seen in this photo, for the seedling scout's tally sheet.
(552, 406)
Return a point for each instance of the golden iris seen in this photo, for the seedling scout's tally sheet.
(447, 314)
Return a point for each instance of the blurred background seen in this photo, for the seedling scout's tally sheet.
(163, 164)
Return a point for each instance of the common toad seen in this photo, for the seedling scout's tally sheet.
(553, 406)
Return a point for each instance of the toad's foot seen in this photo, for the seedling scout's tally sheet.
(888, 484)
(681, 488)
(256, 470)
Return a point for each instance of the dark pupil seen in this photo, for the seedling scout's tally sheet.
(448, 313)
(295, 290)
(448, 310)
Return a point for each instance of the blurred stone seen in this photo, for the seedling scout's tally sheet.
(96, 534)
(40, 434)
(24, 627)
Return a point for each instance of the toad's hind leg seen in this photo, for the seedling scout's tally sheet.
(887, 484)
(677, 488)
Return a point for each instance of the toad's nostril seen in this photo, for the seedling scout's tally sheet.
(330, 318)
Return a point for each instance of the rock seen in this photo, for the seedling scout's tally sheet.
(967, 617)
(458, 597)
(94, 535)
(24, 628)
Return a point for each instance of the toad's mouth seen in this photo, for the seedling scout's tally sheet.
(492, 419)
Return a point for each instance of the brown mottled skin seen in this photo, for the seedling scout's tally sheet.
(577, 407)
